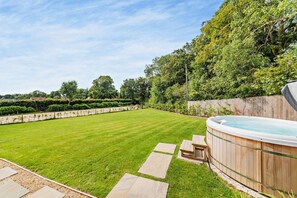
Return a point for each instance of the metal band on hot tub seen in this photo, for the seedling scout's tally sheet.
(258, 149)
(271, 187)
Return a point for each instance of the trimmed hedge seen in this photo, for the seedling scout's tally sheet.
(43, 105)
(62, 107)
(58, 107)
(81, 106)
(11, 110)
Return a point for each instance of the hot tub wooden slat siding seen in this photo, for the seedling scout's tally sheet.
(293, 171)
(264, 167)
(280, 170)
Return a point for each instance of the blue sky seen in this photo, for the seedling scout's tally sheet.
(43, 43)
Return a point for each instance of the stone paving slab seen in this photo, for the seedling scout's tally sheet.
(122, 188)
(131, 186)
(156, 165)
(148, 188)
(34, 182)
(165, 148)
(47, 192)
(11, 189)
(6, 172)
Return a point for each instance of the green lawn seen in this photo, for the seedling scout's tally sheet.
(92, 153)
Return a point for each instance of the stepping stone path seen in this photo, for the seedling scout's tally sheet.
(18, 182)
(11, 189)
(46, 192)
(156, 165)
(138, 187)
(165, 148)
(6, 172)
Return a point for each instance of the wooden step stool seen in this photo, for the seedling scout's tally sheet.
(187, 149)
(195, 149)
(200, 147)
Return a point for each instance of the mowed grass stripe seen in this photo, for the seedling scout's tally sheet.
(92, 153)
(122, 135)
(141, 150)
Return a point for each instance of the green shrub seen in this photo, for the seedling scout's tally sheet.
(95, 105)
(113, 104)
(10, 110)
(43, 105)
(181, 107)
(80, 106)
(169, 107)
(108, 104)
(124, 104)
(58, 107)
(210, 110)
(30, 110)
(199, 110)
(178, 107)
(225, 110)
(192, 111)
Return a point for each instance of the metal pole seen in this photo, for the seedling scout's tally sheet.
(187, 91)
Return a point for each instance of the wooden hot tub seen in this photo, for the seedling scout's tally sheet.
(260, 153)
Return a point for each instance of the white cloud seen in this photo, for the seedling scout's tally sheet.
(43, 43)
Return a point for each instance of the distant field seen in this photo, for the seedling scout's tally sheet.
(92, 153)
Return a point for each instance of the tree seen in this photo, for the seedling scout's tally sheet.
(168, 73)
(142, 89)
(243, 37)
(128, 89)
(38, 93)
(135, 89)
(103, 88)
(244, 50)
(157, 91)
(272, 79)
(55, 94)
(81, 93)
(68, 89)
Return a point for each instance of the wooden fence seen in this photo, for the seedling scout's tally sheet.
(58, 115)
(264, 106)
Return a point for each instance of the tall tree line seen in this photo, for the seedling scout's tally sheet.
(248, 48)
(102, 88)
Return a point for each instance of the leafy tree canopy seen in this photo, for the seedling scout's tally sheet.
(102, 88)
(68, 89)
(248, 48)
(135, 89)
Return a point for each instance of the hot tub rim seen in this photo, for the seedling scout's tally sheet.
(252, 135)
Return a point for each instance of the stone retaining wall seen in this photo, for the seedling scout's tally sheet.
(62, 114)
